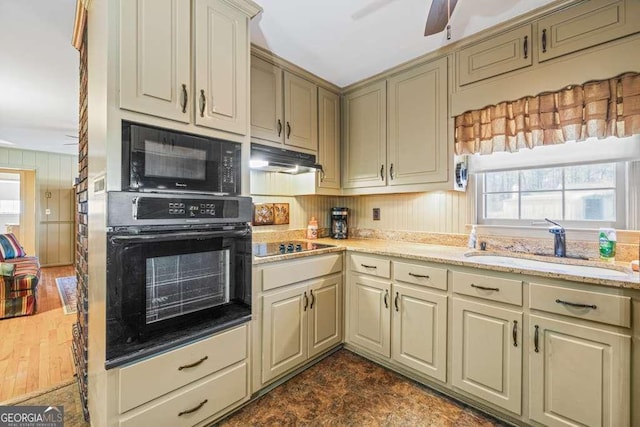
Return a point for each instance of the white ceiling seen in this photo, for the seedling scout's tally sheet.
(38, 75)
(344, 41)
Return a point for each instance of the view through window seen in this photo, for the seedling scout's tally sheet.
(584, 193)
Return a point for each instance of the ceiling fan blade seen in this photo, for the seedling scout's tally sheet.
(438, 16)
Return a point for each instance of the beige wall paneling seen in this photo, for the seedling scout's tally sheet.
(155, 58)
(417, 145)
(28, 213)
(53, 173)
(301, 209)
(365, 136)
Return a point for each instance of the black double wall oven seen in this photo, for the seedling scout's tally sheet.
(178, 263)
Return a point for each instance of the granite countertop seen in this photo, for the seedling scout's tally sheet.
(594, 272)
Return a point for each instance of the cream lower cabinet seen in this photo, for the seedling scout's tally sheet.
(578, 375)
(405, 321)
(487, 352)
(300, 322)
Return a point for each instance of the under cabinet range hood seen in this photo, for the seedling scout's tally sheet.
(272, 159)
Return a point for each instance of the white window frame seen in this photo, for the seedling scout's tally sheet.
(621, 193)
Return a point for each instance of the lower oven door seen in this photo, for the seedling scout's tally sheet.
(160, 280)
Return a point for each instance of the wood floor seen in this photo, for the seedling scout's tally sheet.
(35, 351)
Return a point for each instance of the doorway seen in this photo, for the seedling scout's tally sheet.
(18, 206)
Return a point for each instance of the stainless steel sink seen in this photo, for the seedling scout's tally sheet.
(556, 265)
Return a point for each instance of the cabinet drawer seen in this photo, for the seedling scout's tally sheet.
(289, 272)
(211, 396)
(603, 308)
(370, 265)
(420, 275)
(147, 380)
(488, 287)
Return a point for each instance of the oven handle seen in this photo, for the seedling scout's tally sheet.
(171, 236)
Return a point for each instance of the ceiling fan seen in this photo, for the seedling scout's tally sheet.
(439, 16)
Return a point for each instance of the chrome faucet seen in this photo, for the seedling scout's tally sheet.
(560, 241)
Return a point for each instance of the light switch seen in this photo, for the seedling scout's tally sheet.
(376, 214)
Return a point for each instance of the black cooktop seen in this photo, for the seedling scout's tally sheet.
(280, 248)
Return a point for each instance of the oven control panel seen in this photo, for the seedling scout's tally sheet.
(184, 208)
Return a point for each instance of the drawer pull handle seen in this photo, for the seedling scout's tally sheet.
(515, 333)
(189, 411)
(421, 276)
(484, 288)
(577, 305)
(369, 266)
(536, 340)
(395, 301)
(313, 299)
(386, 298)
(306, 301)
(193, 365)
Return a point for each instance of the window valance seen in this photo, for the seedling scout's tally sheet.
(598, 109)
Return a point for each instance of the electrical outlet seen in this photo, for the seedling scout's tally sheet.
(376, 214)
(47, 211)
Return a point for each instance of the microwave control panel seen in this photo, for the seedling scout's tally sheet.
(183, 208)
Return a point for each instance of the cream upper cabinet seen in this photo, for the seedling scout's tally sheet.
(284, 108)
(487, 353)
(300, 112)
(329, 139)
(156, 63)
(419, 334)
(417, 125)
(266, 101)
(155, 59)
(578, 375)
(221, 55)
(500, 54)
(370, 314)
(325, 315)
(584, 25)
(365, 136)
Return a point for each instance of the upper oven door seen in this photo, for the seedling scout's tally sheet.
(160, 160)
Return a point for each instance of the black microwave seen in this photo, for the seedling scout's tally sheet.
(156, 159)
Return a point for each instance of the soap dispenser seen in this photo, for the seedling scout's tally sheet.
(473, 238)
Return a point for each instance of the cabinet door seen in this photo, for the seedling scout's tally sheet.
(266, 101)
(487, 362)
(418, 117)
(284, 331)
(369, 314)
(500, 54)
(300, 112)
(579, 375)
(329, 139)
(155, 59)
(419, 336)
(365, 137)
(585, 25)
(325, 314)
(221, 66)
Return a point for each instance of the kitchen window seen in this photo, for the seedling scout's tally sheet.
(583, 196)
